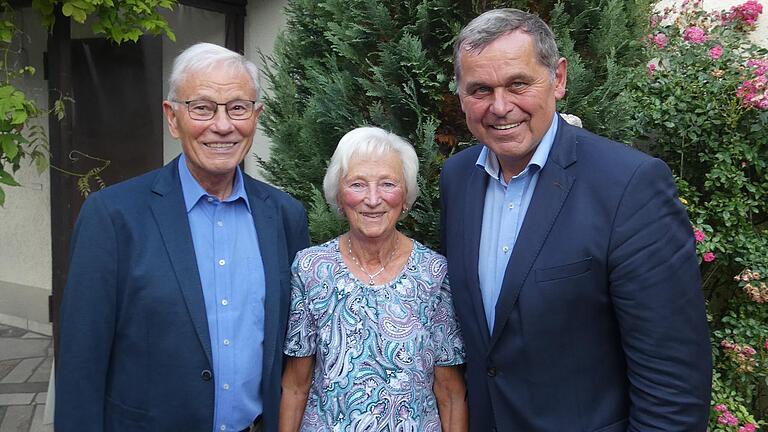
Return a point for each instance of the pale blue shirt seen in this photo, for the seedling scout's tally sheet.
(232, 276)
(503, 213)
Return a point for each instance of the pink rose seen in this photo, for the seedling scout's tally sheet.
(698, 235)
(660, 40)
(721, 408)
(766, 344)
(651, 69)
(715, 52)
(744, 14)
(749, 427)
(709, 257)
(695, 35)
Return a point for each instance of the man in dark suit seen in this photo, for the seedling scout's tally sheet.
(571, 260)
(174, 313)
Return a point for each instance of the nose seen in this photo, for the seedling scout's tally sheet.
(221, 122)
(372, 196)
(502, 102)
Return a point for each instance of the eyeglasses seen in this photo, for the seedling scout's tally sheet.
(206, 110)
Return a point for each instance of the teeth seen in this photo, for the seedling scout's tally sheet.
(505, 127)
(220, 145)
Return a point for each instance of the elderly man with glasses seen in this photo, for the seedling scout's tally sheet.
(174, 312)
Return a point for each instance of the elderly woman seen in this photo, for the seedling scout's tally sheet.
(372, 340)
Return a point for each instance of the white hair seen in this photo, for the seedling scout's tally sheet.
(202, 57)
(370, 142)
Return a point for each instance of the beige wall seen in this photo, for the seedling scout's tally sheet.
(25, 221)
(263, 21)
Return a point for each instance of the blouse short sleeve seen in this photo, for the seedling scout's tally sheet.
(300, 339)
(446, 334)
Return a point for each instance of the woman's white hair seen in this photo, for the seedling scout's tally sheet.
(202, 57)
(365, 142)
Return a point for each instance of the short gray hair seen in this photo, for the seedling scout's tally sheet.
(493, 24)
(366, 142)
(203, 56)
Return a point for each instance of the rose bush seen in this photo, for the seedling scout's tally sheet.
(701, 104)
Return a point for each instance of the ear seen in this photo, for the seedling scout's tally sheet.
(258, 110)
(171, 118)
(561, 77)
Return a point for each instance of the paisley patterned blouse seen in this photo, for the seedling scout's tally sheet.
(375, 347)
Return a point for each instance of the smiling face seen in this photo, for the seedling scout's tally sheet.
(372, 195)
(509, 98)
(213, 148)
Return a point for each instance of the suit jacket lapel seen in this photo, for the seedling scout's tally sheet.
(264, 217)
(473, 219)
(170, 213)
(551, 191)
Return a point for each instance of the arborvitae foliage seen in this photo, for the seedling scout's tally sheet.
(340, 64)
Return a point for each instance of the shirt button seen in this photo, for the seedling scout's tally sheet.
(491, 372)
(210, 199)
(220, 223)
(222, 262)
(226, 341)
(505, 249)
(511, 206)
(224, 302)
(226, 386)
(223, 427)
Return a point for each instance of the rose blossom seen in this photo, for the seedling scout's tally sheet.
(749, 427)
(651, 69)
(695, 35)
(660, 40)
(698, 235)
(715, 52)
(709, 257)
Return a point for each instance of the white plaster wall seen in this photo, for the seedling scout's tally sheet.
(191, 26)
(25, 221)
(759, 36)
(263, 22)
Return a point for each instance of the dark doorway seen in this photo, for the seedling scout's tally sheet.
(116, 117)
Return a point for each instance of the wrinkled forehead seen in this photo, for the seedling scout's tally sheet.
(222, 73)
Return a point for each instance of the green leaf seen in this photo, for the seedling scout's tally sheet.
(41, 163)
(6, 178)
(10, 148)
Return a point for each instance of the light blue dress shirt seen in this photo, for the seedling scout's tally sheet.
(232, 276)
(503, 213)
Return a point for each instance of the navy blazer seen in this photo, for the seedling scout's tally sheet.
(600, 323)
(134, 350)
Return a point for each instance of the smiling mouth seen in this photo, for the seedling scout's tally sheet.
(220, 146)
(506, 126)
(373, 215)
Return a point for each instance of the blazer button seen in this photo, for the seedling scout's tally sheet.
(206, 375)
(491, 372)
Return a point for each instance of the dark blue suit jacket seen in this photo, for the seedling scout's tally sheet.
(600, 324)
(134, 351)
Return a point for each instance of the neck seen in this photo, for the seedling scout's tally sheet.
(374, 251)
(219, 186)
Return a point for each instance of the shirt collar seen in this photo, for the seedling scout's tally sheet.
(193, 191)
(488, 161)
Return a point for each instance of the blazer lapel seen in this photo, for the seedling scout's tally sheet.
(473, 221)
(264, 217)
(551, 191)
(170, 213)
